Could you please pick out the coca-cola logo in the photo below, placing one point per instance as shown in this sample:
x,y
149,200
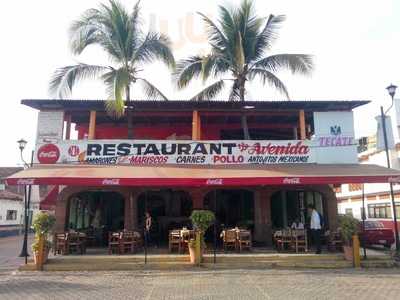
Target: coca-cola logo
x,y
394,179
48,154
293,180
110,182
214,182
73,150
25,181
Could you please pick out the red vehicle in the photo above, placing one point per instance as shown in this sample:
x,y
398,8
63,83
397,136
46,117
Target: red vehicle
x,y
376,234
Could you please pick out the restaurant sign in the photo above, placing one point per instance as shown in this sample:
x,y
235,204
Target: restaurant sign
x,y
151,152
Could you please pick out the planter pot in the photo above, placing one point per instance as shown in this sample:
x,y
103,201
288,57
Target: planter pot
x,y
348,252
192,253
36,257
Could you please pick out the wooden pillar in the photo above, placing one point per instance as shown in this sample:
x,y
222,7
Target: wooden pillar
x,y
68,127
302,124
196,126
92,125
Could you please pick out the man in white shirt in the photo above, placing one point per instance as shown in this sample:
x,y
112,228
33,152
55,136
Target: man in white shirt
x,y
315,226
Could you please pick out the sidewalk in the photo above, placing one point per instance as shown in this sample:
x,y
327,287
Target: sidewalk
x,y
10,248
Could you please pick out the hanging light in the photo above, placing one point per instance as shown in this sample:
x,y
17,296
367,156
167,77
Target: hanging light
x,y
391,90
22,144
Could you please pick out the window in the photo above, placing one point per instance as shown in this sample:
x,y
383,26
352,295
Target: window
x,y
11,215
349,211
382,210
355,187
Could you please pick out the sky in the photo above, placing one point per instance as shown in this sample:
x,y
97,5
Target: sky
x,y
355,45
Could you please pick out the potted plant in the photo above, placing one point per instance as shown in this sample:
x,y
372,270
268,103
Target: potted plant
x,y
349,227
42,224
201,220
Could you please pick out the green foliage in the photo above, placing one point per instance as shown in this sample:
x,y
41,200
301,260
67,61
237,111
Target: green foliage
x,y
349,226
240,42
202,219
118,32
43,223
35,245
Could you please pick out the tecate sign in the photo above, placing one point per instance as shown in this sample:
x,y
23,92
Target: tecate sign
x,y
48,154
25,181
110,182
291,180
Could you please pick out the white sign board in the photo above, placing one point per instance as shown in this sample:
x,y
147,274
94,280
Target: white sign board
x,y
153,152
334,140
50,127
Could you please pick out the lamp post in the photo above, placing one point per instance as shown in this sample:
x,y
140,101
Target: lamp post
x,y
24,252
392,91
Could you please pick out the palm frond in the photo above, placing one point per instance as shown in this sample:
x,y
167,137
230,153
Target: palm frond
x,y
273,80
296,63
210,92
215,35
64,79
154,46
268,35
151,91
187,69
116,81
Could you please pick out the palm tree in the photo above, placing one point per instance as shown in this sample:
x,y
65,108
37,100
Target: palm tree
x,y
119,34
239,43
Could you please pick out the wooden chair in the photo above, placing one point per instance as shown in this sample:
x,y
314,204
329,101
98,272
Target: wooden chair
x,y
334,241
299,240
285,240
74,243
60,244
186,236
114,243
229,239
137,240
127,242
174,241
244,240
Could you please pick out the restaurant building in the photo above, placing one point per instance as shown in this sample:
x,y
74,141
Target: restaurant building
x,y
187,155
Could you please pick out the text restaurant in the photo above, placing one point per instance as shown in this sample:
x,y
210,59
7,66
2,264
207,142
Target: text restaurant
x,y
171,157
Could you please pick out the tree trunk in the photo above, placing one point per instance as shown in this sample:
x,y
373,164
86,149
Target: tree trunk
x,y
129,113
245,127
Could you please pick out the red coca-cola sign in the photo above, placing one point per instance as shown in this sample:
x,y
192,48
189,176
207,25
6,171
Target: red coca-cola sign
x,y
48,154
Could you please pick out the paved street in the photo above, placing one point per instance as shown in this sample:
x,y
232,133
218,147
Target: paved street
x,y
10,248
268,284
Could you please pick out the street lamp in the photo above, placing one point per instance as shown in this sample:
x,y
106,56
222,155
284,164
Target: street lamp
x,y
392,91
24,252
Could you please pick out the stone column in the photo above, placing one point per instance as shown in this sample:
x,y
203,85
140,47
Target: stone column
x,y
197,196
330,201
262,216
128,213
61,214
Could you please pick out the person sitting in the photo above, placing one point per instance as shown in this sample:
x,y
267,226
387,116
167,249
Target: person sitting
x,y
297,224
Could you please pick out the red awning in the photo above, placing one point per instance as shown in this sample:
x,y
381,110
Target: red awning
x,y
226,175
49,201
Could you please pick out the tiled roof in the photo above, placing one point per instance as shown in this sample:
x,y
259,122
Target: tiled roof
x,y
7,195
8,171
180,105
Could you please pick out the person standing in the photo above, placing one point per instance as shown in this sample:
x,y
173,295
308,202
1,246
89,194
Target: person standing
x,y
315,227
147,227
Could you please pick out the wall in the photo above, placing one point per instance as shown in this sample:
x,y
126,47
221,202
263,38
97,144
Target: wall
x,y
5,205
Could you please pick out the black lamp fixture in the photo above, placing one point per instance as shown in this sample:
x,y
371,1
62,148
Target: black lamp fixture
x,y
391,90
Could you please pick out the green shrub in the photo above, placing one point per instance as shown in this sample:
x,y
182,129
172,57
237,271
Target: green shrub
x,y
35,245
349,226
202,219
43,223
